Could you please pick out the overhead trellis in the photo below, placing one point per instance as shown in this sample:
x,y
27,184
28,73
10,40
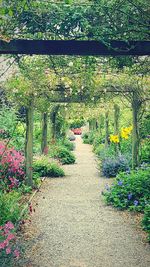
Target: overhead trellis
x,y
82,48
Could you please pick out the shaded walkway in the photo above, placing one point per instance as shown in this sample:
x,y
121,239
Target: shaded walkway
x,y
73,227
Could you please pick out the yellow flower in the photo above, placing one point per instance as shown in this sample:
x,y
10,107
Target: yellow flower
x,y
114,138
125,132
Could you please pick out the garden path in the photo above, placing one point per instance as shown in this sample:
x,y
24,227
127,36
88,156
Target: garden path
x,y
72,227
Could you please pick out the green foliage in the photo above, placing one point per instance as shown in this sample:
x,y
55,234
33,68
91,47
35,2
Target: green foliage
x,y
130,191
68,144
145,125
25,189
145,150
146,220
98,140
103,153
91,19
43,167
126,148
77,123
88,138
15,130
65,156
8,119
10,208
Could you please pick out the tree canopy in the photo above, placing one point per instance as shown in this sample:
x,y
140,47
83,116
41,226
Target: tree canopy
x,y
92,20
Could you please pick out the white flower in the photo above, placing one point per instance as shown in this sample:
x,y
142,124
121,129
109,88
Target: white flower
x,y
70,64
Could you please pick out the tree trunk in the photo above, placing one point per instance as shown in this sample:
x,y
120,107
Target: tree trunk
x,y
44,147
53,117
29,144
135,133
106,129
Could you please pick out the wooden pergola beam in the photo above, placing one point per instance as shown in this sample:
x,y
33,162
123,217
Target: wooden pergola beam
x,y
82,48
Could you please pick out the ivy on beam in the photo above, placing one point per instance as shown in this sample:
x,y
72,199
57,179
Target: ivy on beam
x,y
57,47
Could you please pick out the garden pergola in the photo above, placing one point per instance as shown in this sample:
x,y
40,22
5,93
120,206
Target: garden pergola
x,y
65,47
73,47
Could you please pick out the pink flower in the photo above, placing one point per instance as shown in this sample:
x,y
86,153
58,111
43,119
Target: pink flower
x,y
3,244
10,237
8,250
9,225
16,253
6,243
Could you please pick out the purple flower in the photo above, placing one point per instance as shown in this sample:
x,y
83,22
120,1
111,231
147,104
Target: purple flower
x,y
136,202
130,196
120,183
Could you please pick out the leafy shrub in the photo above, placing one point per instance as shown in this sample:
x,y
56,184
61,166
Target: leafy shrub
x,y
130,191
10,123
69,145
98,140
104,153
111,167
9,207
77,123
146,220
85,137
145,150
24,189
88,138
46,168
11,166
126,146
65,156
4,134
8,119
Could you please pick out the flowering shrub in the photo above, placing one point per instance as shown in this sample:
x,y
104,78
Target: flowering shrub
x,y
146,220
8,247
11,167
112,166
130,191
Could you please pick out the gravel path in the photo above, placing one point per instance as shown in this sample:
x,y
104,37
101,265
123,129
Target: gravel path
x,y
74,228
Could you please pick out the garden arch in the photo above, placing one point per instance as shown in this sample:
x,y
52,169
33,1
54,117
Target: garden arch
x,y
82,48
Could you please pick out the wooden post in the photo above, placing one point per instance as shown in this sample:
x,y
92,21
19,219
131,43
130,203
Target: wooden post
x,y
116,118
106,129
44,133
53,117
116,123
29,143
101,124
136,105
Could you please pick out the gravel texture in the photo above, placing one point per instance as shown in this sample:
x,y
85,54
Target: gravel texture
x,y
72,226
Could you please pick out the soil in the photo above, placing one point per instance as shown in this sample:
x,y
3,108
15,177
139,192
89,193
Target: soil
x,y
72,226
